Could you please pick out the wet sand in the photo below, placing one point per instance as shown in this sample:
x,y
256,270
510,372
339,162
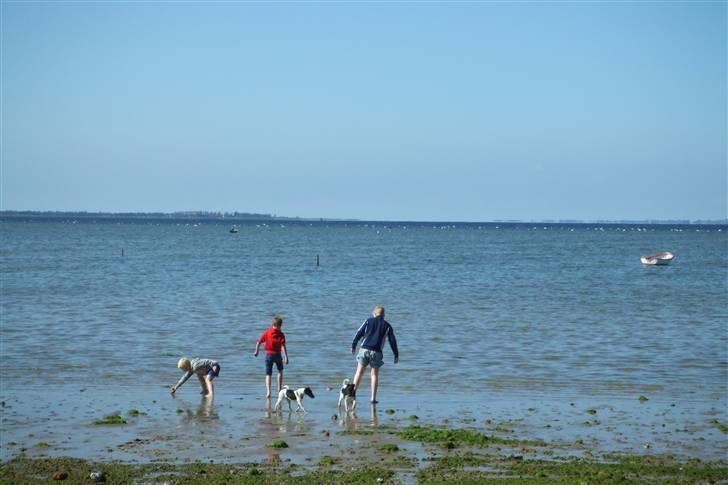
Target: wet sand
x,y
238,429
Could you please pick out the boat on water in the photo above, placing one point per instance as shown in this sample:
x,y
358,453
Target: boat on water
x,y
658,259
233,230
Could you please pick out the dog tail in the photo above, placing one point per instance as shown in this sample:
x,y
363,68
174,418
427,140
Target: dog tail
x,y
347,381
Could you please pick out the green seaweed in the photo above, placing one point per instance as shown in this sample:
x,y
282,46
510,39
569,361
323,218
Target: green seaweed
x,y
278,444
356,432
464,467
388,447
471,468
327,460
451,438
723,427
42,444
110,419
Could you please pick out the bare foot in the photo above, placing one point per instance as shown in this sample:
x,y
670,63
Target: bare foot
x,y
267,396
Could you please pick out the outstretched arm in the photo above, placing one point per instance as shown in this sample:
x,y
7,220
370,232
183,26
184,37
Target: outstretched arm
x,y
184,378
393,344
358,336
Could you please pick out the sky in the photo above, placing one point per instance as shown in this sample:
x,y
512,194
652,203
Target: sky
x,y
471,111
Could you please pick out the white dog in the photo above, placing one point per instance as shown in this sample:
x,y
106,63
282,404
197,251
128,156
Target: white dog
x,y
296,395
347,395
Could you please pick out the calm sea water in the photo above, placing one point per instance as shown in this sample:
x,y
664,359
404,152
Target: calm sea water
x,y
490,310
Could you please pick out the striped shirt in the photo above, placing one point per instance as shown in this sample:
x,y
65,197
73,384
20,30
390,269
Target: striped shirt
x,y
198,366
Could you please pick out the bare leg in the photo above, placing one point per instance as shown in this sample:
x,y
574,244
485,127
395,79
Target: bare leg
x,y
357,375
203,385
267,387
280,381
375,383
210,386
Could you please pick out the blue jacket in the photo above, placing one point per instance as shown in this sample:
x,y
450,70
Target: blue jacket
x,y
374,330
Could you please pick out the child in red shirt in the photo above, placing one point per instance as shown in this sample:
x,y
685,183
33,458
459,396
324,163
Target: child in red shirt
x,y
275,343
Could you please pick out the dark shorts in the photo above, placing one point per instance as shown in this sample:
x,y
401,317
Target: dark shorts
x,y
271,359
214,372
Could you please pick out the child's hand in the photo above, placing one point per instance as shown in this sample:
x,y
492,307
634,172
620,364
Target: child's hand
x,y
255,354
396,359
286,361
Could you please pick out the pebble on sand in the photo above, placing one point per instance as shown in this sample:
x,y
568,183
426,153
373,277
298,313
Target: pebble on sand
x,y
59,475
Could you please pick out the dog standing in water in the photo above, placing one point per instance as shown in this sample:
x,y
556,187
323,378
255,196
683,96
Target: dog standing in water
x,y
347,395
296,395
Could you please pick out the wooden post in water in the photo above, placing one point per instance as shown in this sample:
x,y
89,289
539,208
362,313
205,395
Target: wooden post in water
x,y
317,261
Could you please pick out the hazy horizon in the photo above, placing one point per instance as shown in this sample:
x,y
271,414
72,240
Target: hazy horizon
x,y
371,111
242,216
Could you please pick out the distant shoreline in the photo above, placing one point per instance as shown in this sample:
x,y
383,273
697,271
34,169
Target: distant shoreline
x,y
234,217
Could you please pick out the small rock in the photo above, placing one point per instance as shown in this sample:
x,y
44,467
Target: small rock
x,y
59,475
98,476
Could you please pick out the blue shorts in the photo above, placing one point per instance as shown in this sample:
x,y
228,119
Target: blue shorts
x,y
214,372
370,358
270,359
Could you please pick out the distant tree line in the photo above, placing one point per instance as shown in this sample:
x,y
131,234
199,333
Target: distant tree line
x,y
196,215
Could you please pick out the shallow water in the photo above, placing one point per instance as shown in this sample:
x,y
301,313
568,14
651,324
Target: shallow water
x,y
491,319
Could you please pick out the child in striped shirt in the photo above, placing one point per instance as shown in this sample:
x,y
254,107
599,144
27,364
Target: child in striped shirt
x,y
206,370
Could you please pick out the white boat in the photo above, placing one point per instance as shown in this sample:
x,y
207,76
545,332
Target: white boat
x,y
233,230
659,259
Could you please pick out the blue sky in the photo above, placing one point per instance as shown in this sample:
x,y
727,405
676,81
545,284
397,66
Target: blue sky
x,y
391,111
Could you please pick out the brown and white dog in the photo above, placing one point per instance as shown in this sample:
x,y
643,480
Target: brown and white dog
x,y
297,395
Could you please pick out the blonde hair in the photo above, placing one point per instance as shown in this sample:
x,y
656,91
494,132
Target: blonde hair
x,y
277,321
379,310
183,363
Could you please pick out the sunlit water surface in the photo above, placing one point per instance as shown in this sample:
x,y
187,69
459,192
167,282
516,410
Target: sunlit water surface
x,y
490,319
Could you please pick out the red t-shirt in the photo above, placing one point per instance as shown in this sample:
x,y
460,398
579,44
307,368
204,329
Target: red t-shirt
x,y
274,339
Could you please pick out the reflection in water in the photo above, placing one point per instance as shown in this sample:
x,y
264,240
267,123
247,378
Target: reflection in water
x,y
206,409
351,422
273,425
204,413
373,415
